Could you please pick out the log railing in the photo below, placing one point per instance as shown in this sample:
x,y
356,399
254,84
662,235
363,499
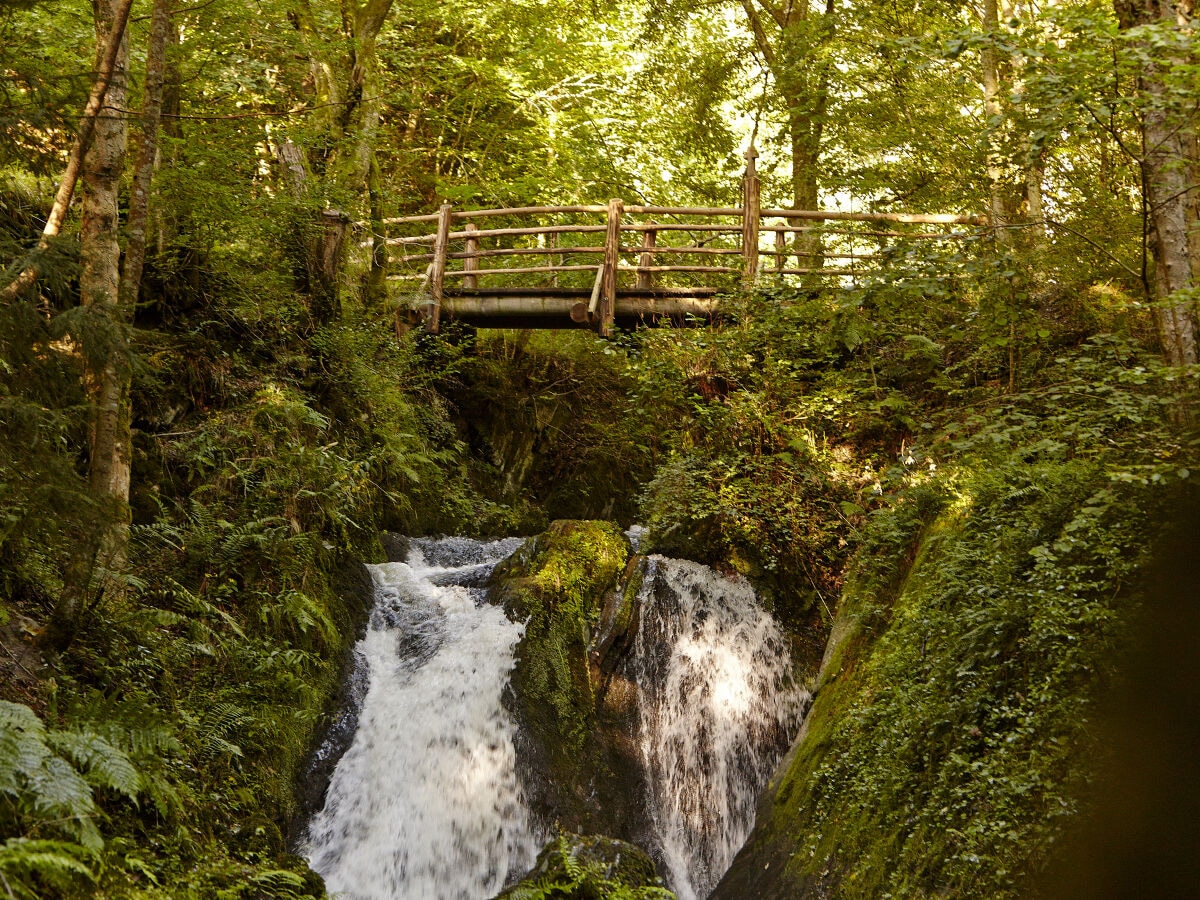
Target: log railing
x,y
595,246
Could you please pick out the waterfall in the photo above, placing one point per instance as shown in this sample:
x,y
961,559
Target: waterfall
x,y
425,802
718,710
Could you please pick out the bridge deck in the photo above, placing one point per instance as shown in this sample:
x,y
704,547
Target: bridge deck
x,y
567,308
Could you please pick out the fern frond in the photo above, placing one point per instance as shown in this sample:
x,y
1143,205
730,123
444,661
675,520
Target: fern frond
x,y
280,883
103,764
220,722
32,774
196,605
296,612
27,866
130,723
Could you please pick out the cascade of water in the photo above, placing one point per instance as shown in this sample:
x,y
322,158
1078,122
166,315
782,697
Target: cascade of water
x,y
425,803
718,711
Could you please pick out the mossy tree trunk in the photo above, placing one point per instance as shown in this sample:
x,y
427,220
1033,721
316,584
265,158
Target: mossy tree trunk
x,y
340,169
792,43
110,292
103,348
1167,161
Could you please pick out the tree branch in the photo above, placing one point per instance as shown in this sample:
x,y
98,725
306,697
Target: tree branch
x,y
780,16
760,34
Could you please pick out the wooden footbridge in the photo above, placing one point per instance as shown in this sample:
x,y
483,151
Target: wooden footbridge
x,y
620,264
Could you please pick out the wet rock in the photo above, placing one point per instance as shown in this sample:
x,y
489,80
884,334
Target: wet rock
x,y
355,585
395,546
572,693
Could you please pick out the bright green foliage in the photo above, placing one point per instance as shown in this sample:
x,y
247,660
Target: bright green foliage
x,y
48,782
950,742
29,867
269,449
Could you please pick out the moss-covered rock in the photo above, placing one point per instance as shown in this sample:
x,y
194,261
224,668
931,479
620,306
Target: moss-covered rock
x,y
575,586
575,867
949,742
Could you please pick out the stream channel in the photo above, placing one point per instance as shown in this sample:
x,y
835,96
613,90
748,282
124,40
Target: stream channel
x,y
428,800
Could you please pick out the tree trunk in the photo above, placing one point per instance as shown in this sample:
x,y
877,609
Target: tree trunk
x,y
791,42
346,92
1166,167
999,208
100,277
805,127
1193,206
1034,207
376,288
359,123
108,49
106,367
139,200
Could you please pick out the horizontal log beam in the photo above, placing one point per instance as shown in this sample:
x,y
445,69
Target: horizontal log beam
x,y
909,218
534,309
912,236
412,220
529,210
500,232
828,270
624,267
683,226
531,270
786,253
684,211
722,251
525,251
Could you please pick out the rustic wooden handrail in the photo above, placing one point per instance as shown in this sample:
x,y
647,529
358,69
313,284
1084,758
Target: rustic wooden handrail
x,y
658,250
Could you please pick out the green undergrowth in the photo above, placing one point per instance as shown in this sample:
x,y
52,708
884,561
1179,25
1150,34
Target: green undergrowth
x,y
952,740
158,754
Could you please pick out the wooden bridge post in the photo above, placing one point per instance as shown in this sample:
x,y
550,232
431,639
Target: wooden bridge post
x,y
471,263
555,259
751,214
645,280
612,257
437,274
780,252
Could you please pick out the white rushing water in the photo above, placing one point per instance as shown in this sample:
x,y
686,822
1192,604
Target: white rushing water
x,y
425,803
719,709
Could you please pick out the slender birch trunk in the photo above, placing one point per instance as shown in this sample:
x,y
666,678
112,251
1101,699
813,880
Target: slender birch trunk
x,y
101,544
100,275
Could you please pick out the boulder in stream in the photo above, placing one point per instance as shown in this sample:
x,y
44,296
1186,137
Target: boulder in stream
x,y
573,699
